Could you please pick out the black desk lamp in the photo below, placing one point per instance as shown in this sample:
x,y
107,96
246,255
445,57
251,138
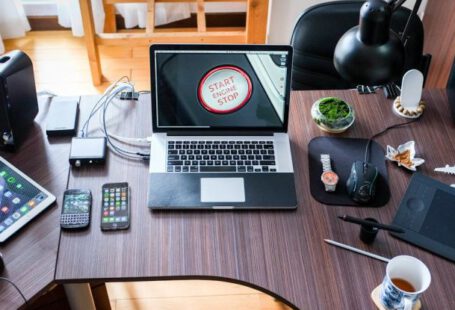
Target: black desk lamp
x,y
371,53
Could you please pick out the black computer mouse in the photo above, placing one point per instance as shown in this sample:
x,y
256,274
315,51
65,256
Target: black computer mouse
x,y
361,184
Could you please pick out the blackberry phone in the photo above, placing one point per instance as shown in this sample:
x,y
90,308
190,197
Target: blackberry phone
x,y
115,208
76,209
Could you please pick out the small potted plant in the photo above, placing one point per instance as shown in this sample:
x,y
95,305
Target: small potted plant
x,y
332,114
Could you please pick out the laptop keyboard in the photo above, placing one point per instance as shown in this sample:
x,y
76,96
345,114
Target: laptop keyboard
x,y
220,156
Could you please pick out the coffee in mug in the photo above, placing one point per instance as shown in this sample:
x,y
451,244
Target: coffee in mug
x,y
405,280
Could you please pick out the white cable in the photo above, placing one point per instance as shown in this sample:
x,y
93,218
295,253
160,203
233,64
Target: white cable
x,y
114,92
108,96
97,106
144,141
46,93
115,148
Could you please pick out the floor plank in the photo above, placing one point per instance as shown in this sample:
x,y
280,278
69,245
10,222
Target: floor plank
x,y
189,295
184,288
238,302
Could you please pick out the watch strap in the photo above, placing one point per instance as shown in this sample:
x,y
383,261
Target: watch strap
x,y
325,160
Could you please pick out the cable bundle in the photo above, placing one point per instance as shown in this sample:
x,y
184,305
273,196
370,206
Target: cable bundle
x,y
102,104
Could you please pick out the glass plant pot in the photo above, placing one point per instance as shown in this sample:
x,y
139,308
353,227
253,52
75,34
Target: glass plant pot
x,y
332,114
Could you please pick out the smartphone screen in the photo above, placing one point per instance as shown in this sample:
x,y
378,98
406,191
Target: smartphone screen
x,y
76,202
115,209
76,209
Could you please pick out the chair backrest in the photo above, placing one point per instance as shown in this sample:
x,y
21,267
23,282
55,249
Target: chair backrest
x,y
317,32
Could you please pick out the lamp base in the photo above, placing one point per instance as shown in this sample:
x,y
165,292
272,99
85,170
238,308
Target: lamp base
x,y
406,112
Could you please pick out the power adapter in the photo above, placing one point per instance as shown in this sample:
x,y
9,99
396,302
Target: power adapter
x,y
87,151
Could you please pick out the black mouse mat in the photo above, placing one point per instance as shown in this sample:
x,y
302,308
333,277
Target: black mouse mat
x,y
343,152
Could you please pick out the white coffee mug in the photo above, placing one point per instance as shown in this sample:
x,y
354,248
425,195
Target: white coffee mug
x,y
405,280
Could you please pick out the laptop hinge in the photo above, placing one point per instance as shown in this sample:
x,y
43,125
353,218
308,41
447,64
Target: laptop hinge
x,y
221,133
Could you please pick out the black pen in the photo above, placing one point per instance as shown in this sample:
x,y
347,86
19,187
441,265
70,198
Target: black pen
x,y
355,220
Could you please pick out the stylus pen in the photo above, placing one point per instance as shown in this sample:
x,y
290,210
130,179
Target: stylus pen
x,y
355,220
356,250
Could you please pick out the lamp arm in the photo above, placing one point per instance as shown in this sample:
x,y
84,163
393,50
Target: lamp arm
x,y
408,22
397,4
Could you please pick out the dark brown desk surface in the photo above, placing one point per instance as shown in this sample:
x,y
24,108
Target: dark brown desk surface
x,y
30,255
279,252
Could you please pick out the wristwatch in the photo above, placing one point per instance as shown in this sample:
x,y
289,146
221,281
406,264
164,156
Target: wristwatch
x,y
328,177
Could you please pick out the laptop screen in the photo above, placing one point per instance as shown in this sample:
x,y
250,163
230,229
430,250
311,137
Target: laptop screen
x,y
221,89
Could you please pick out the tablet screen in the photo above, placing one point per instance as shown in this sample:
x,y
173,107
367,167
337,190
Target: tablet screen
x,y
19,197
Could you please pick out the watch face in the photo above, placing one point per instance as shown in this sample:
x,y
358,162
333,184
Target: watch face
x,y
329,178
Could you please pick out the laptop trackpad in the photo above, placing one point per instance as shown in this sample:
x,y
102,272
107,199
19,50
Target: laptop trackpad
x,y
222,190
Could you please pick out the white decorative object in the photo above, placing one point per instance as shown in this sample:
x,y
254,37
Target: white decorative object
x,y
447,169
408,104
404,156
411,89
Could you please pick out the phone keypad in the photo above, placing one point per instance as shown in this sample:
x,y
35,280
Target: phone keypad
x,y
74,219
115,204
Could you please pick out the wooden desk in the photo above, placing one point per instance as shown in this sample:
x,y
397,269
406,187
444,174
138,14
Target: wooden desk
x,y
281,253
30,255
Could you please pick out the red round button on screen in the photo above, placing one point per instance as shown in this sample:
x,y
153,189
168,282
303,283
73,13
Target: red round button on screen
x,y
225,89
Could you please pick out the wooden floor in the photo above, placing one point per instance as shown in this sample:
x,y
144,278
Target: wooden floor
x,y
185,295
61,66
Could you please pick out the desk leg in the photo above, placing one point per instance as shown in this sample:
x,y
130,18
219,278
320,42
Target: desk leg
x,y
79,296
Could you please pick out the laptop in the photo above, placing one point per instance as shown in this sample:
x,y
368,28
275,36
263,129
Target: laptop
x,y
220,118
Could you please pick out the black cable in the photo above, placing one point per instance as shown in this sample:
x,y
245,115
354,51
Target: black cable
x,y
15,286
408,22
367,148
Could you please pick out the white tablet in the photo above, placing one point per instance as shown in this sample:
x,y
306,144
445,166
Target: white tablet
x,y
21,199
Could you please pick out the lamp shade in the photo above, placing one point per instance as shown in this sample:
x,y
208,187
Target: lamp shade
x,y
370,53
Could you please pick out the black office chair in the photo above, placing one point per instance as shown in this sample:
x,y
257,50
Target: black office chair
x,y
317,32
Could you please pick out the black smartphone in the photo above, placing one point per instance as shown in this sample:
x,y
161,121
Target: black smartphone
x,y
115,208
76,209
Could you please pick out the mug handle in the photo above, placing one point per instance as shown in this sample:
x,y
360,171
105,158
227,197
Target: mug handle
x,y
408,304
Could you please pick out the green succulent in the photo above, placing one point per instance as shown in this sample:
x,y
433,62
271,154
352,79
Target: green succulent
x,y
333,108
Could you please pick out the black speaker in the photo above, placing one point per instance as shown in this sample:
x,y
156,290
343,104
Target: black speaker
x,y
18,100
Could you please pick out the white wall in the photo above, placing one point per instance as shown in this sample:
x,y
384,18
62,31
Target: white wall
x,y
284,14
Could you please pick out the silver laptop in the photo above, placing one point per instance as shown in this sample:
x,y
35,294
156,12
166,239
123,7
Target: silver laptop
x,y
220,117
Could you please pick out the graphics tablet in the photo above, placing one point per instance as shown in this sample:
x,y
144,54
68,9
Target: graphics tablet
x,y
427,214
21,199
